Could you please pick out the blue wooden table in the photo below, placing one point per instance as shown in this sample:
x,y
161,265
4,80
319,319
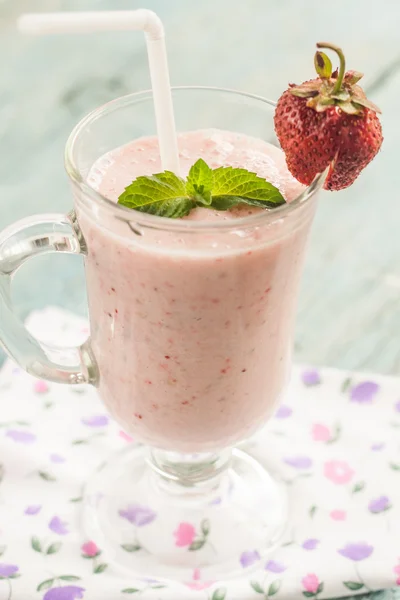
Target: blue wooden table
x,y
349,307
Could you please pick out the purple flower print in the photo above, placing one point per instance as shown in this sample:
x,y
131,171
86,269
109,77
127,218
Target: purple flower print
x,y
397,406
22,437
299,462
249,558
358,551
96,421
67,592
33,509
56,458
377,447
364,392
8,570
138,515
311,377
310,544
283,412
379,505
275,567
58,526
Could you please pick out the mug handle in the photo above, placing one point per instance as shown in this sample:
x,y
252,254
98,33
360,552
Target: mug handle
x,y
21,241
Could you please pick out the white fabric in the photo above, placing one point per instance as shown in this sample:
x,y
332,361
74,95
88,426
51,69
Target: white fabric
x,y
335,438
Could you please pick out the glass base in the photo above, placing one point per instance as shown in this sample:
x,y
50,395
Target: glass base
x,y
150,523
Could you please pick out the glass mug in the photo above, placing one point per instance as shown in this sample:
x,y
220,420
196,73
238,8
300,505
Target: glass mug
x,y
191,331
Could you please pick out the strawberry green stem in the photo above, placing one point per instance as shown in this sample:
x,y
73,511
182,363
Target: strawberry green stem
x,y
342,67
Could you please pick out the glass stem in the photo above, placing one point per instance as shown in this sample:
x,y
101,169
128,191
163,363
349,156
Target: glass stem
x,y
189,470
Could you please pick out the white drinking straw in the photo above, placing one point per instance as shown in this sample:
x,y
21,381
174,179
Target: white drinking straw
x,y
143,20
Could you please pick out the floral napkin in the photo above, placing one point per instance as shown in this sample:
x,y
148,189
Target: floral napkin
x,y
335,439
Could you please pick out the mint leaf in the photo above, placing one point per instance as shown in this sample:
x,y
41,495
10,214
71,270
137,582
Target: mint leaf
x,y
225,202
167,195
163,194
248,187
172,209
200,182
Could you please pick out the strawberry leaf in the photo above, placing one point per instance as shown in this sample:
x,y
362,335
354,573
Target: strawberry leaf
x,y
323,65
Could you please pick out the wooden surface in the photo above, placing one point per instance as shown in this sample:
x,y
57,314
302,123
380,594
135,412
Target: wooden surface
x,y
349,306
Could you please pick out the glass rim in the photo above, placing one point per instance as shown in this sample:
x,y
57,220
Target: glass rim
x,y
154,222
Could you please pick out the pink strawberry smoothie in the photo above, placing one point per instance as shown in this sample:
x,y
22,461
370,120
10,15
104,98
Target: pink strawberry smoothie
x,y
192,329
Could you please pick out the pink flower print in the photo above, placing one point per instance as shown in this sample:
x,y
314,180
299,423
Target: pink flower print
x,y
184,535
396,569
125,436
338,515
40,387
338,471
90,549
320,433
196,584
310,583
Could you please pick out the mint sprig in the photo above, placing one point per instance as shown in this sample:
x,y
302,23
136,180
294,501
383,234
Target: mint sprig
x,y
167,195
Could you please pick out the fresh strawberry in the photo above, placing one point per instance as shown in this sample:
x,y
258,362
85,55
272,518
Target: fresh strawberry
x,y
328,122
